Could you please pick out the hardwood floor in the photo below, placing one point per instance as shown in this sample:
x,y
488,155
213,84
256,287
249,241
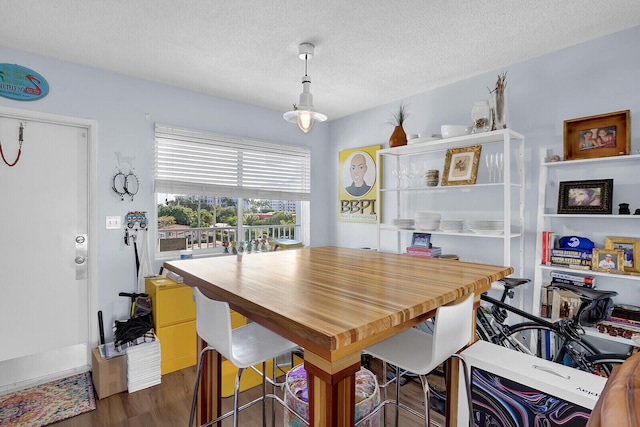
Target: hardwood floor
x,y
168,405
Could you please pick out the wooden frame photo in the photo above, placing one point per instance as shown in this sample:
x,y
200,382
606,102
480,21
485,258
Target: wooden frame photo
x,y
607,260
461,165
585,197
604,135
630,249
421,240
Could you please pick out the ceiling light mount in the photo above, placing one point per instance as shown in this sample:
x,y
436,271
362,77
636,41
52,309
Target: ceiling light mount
x,y
304,113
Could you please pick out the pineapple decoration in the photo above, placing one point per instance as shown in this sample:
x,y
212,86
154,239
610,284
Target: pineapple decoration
x,y
398,137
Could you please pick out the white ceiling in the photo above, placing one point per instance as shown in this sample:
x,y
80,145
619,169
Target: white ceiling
x,y
368,52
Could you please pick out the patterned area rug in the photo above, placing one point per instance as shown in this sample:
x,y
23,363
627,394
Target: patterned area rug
x,y
47,403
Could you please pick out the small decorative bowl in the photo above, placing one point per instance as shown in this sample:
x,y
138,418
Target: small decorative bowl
x,y
450,131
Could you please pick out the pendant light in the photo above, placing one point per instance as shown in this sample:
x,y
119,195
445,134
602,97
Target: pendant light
x,y
303,113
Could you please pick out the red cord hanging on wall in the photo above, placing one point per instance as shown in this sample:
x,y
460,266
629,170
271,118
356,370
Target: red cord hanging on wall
x,y
19,148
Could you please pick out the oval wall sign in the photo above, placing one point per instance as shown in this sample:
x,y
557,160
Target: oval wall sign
x,y
21,83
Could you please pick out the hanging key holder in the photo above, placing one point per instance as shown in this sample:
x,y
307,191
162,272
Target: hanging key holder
x,y
20,140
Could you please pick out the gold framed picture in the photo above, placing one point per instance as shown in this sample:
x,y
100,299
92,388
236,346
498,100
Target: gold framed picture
x,y
607,260
604,135
630,249
461,165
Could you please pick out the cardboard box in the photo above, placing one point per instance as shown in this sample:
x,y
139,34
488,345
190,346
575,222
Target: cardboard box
x,y
109,375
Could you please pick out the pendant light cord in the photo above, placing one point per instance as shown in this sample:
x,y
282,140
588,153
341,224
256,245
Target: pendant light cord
x,y
19,148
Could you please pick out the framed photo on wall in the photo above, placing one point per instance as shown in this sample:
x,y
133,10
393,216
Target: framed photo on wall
x,y
585,197
630,249
461,165
604,135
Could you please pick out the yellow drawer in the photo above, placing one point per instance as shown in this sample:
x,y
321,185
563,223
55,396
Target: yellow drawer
x,y
174,305
177,340
167,366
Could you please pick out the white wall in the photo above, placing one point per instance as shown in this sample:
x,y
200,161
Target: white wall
x,y
597,77
120,105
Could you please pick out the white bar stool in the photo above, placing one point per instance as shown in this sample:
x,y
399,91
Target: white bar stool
x,y
420,353
245,346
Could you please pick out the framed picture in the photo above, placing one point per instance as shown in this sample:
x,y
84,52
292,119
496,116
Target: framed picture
x,y
604,135
585,197
607,260
421,240
461,165
630,251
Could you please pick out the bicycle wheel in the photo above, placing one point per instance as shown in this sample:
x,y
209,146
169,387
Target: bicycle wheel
x,y
603,364
550,344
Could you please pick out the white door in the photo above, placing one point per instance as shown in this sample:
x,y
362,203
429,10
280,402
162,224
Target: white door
x,y
44,287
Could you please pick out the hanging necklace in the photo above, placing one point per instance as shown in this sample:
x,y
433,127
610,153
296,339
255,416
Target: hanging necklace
x,y
19,148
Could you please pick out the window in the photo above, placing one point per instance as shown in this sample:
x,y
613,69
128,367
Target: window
x,y
213,189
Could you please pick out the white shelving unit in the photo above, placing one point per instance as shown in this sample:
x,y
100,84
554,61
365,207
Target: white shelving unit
x,y
624,172
484,200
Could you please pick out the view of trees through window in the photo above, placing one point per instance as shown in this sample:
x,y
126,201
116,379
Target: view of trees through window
x,y
209,221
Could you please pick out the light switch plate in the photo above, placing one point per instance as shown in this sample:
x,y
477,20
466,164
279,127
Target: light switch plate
x,y
114,222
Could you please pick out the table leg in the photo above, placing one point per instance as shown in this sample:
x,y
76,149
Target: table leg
x,y
209,405
331,390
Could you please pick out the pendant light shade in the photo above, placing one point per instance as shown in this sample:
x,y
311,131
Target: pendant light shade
x,y
303,112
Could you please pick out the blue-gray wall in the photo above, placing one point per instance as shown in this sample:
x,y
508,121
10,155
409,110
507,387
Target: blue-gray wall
x,y
596,77
592,78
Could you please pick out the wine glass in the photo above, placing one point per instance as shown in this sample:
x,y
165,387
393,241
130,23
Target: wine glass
x,y
499,165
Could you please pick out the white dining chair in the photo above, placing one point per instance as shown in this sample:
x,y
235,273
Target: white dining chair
x,y
418,352
244,347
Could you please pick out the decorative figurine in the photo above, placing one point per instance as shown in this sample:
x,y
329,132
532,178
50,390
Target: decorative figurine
x,y
624,209
233,247
263,247
637,212
225,245
248,246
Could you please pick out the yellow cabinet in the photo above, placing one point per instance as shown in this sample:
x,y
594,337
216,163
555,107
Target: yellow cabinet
x,y
174,316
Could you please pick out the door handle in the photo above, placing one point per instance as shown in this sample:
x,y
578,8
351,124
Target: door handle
x,y
81,256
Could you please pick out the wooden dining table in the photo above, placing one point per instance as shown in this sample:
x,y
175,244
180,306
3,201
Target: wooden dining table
x,y
333,302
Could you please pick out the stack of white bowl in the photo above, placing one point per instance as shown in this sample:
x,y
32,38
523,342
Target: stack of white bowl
x,y
486,226
451,226
404,223
427,220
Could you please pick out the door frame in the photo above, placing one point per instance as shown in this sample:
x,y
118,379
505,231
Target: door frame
x,y
92,219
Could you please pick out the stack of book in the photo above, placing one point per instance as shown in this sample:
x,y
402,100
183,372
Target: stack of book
x,y
579,259
573,279
432,252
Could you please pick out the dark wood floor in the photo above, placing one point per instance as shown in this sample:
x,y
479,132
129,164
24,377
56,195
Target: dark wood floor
x,y
168,405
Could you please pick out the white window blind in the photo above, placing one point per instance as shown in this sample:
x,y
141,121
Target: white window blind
x,y
205,163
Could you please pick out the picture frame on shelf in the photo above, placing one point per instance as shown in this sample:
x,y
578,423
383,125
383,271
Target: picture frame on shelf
x,y
607,260
421,240
603,135
461,165
630,248
585,197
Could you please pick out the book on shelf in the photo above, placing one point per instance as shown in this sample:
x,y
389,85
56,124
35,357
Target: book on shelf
x,y
549,242
572,253
432,252
570,282
568,261
572,277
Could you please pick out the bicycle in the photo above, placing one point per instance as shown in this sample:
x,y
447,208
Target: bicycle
x,y
561,342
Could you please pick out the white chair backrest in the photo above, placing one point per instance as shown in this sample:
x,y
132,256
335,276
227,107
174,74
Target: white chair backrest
x,y
213,322
452,329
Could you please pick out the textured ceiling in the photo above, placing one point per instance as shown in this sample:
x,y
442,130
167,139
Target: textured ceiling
x,y
368,52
